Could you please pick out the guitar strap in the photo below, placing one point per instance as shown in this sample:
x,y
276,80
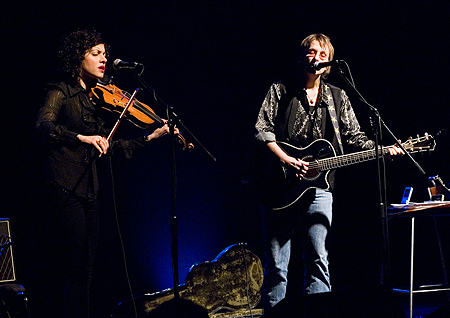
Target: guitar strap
x,y
329,96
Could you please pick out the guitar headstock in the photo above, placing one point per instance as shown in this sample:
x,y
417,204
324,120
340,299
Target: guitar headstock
x,y
420,144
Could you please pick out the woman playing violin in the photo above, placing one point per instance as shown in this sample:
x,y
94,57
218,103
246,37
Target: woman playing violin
x,y
74,135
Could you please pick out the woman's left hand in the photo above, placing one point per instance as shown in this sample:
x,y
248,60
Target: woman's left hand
x,y
395,150
161,131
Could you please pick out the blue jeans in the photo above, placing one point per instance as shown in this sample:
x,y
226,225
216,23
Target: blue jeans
x,y
311,215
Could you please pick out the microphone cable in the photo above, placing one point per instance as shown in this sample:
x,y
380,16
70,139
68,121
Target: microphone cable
x,y
127,275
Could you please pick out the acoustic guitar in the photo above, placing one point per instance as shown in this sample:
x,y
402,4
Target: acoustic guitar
x,y
283,187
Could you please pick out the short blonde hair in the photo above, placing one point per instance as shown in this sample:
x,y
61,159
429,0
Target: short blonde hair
x,y
324,42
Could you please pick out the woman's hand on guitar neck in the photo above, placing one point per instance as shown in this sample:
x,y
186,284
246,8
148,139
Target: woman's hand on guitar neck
x,y
300,165
395,150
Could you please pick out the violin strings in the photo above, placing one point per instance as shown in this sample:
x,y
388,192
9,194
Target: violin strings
x,y
141,108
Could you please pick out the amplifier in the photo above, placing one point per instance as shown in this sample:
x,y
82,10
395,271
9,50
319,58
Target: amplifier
x,y
7,272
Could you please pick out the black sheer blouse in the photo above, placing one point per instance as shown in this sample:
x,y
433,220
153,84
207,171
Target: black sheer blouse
x,y
68,111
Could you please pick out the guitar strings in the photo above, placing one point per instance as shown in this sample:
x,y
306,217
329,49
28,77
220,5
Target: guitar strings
x,y
344,160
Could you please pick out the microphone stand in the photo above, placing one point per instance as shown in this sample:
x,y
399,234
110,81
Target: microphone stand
x,y
173,120
377,124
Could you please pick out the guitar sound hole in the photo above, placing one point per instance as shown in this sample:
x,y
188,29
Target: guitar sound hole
x,y
312,173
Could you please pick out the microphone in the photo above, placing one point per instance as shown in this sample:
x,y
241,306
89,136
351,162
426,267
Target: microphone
x,y
118,64
317,65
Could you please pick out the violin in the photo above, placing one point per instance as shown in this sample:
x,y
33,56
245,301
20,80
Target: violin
x,y
141,115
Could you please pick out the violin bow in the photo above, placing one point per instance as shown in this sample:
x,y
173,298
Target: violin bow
x,y
122,114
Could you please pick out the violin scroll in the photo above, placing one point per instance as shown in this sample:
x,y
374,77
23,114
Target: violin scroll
x,y
184,144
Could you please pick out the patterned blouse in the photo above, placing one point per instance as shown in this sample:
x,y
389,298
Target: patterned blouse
x,y
308,123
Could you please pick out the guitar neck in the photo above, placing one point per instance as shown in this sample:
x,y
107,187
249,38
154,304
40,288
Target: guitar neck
x,y
346,160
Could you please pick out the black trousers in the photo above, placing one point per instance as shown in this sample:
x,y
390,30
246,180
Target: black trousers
x,y
68,242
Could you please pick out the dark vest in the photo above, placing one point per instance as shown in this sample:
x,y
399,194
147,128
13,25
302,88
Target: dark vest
x,y
287,111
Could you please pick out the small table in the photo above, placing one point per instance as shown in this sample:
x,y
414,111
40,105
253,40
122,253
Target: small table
x,y
429,208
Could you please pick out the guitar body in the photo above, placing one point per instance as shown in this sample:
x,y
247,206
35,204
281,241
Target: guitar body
x,y
284,188
232,281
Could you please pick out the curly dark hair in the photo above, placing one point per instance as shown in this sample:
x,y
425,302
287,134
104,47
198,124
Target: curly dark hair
x,y
73,48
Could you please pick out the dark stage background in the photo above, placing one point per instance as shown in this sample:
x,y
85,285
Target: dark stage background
x,y
214,62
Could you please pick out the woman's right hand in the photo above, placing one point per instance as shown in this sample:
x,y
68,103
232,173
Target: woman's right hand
x,y
300,165
98,142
